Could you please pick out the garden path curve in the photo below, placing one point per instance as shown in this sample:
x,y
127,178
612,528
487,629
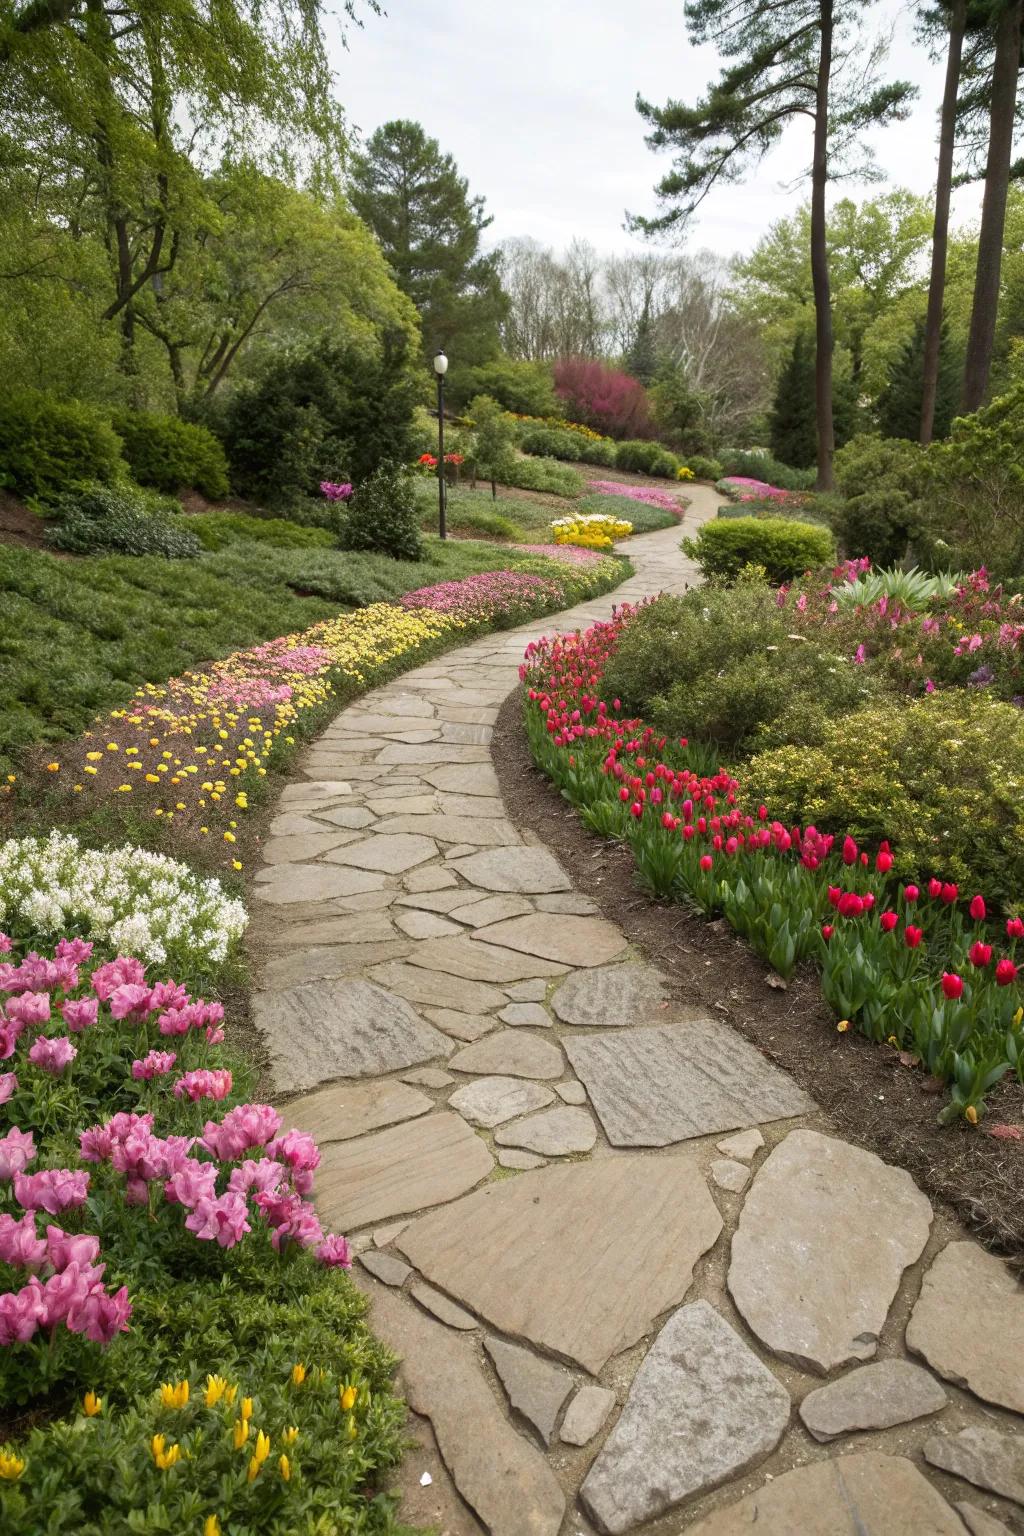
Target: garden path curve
x,y
634,1281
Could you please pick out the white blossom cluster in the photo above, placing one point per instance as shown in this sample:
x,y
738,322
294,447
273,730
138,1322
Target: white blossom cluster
x,y
138,903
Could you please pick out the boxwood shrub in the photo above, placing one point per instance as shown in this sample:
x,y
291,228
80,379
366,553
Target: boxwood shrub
x,y
784,548
48,446
646,459
168,453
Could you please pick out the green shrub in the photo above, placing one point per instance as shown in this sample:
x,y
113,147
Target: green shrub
x,y
523,387
759,465
785,548
704,469
216,529
879,524
382,515
721,666
644,458
493,437
333,411
48,446
576,447
542,475
868,463
941,777
168,453
474,520
106,519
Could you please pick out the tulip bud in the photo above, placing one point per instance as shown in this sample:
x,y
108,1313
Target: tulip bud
x,y
883,863
934,888
950,893
849,851
706,862
978,908
952,985
827,931
912,936
910,893
1015,928
887,921
980,954
1006,972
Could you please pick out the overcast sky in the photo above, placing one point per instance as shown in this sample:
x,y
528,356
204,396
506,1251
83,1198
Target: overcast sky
x,y
536,103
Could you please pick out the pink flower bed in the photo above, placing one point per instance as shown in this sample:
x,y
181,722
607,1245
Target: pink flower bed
x,y
571,554
755,490
485,595
649,495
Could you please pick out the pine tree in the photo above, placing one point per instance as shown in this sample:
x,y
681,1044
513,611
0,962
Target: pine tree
x,y
642,359
899,405
790,60
793,424
429,228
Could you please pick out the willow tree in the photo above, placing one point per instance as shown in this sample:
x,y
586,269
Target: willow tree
x,y
785,60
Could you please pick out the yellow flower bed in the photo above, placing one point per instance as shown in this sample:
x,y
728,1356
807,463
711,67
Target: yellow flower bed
x,y
684,472
593,530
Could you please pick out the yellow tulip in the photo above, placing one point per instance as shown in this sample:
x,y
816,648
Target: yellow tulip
x,y
216,1387
240,1433
246,1409
92,1405
174,1395
11,1466
347,1398
298,1374
261,1449
211,1526
290,1435
285,1467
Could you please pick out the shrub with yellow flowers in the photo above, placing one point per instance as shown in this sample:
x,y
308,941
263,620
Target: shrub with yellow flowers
x,y
594,530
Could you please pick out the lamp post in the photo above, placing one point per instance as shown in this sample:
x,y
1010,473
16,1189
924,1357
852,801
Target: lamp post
x,y
441,368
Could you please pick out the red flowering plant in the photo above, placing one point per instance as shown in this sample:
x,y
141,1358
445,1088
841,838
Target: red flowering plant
x,y
900,965
160,1182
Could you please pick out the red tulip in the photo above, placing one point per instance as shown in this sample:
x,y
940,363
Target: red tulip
x,y
1015,928
850,904
950,893
910,893
834,894
978,908
980,954
827,931
623,794
912,936
636,809
934,888
849,851
883,863
887,921
952,985
1006,972
869,900
669,822
706,862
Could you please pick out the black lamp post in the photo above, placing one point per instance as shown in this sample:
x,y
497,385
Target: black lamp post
x,y
441,368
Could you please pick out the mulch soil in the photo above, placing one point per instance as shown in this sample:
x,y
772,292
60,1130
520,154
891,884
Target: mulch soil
x,y
868,1095
20,526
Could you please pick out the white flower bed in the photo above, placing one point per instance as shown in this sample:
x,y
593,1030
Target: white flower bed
x,y
136,902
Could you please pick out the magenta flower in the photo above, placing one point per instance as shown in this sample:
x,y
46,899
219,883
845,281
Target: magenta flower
x,y
124,971
154,1064
19,1244
192,1182
54,1190
245,1126
222,1220
6,944
78,951
131,1001
29,1008
335,1252
17,1149
21,1313
80,1013
8,1086
100,1316
52,1053
266,1176
68,1290
64,1248
204,1084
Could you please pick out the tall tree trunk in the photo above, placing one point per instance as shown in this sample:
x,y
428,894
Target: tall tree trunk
x,y
940,224
819,259
993,209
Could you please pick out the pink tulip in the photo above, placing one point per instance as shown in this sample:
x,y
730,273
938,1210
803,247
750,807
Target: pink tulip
x,y
64,1248
54,1190
8,1086
80,1013
222,1220
19,1244
17,1149
52,1054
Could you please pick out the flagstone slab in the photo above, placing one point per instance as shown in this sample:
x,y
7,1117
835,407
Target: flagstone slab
x,y
863,1495
425,925
571,1092
464,779
490,1101
968,1323
432,901
586,1414
460,956
504,1478
743,1145
293,824
300,850
528,1014
730,1175
403,1169
354,817
371,927
553,1133
981,1456
511,1053
441,1307
611,996
428,1077
824,1237
478,911
301,797
321,962
523,871
436,988
393,855
478,830
347,1028
433,752
591,1252
385,1267
979,1523
399,704
872,1397
527,991
652,1087
702,1408
512,1157
568,902
535,1388
581,941
285,885
492,807
434,878
345,1110
461,1026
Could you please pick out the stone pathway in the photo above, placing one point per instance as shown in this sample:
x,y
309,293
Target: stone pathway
x,y
634,1280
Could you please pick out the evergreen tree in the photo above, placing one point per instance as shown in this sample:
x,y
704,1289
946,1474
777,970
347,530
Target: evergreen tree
x,y
642,359
899,405
429,228
793,423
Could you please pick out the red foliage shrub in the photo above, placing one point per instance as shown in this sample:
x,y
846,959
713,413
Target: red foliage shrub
x,y
603,398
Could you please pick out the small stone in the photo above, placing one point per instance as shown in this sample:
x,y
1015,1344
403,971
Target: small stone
x,y
702,1408
386,1267
391,855
435,878
385,1235
979,1523
873,1397
428,1077
531,1014
510,1053
864,1495
610,996
526,871
462,1026
480,913
579,941
571,1092
968,1323
424,925
552,1133
726,1174
528,991
522,1162
824,1237
743,1145
490,1101
586,1414
535,1389
345,1110
442,1307
981,1456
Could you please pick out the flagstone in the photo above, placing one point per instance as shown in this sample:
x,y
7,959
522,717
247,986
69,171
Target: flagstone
x,y
531,1014
982,1456
979,1523
436,988
434,752
490,1101
511,1157
428,1077
611,996
729,1175
441,1307
743,1145
872,1397
491,807
591,1252
390,854
432,901
464,778
371,927
479,911
968,1323
527,991
526,871
318,963
552,1133
535,1388
404,805
385,1267
578,941
461,1026
433,879
823,1239
567,903
352,816
425,925
471,830
282,885
345,1110
293,824
510,1053
400,1170
586,1414
348,1028
303,796
460,956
